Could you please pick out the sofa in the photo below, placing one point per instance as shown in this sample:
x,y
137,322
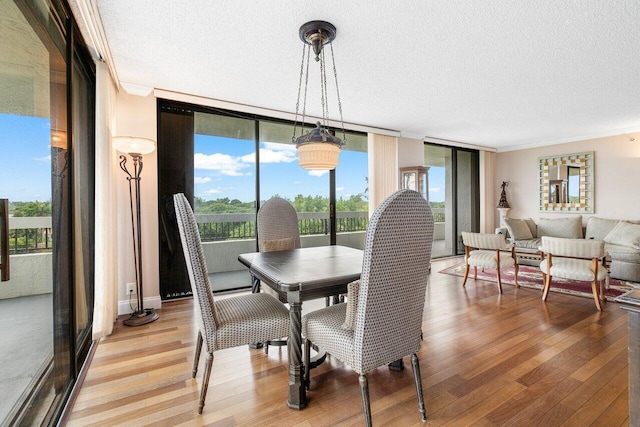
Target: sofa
x,y
621,238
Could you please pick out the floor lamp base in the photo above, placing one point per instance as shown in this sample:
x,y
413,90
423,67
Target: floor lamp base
x,y
143,317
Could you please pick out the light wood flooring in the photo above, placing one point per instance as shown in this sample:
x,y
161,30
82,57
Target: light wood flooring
x,y
486,359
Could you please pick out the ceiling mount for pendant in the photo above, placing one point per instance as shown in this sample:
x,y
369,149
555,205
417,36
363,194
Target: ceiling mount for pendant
x,y
317,34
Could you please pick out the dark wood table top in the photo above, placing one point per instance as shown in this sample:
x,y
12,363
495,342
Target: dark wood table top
x,y
314,272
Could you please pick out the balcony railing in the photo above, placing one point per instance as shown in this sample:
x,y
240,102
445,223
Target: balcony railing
x,y
29,235
218,227
33,234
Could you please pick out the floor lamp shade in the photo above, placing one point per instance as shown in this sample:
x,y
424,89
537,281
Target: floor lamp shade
x,y
136,147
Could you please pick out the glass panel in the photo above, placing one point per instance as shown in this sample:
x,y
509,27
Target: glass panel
x,y
280,175
466,194
35,354
440,163
224,195
352,186
83,165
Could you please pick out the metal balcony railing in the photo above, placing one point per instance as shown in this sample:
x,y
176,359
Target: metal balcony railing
x,y
218,227
34,234
29,235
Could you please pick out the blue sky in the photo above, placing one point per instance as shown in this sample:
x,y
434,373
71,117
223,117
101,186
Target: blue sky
x,y
25,174
224,167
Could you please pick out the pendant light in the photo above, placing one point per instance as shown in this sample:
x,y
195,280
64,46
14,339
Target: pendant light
x,y
318,149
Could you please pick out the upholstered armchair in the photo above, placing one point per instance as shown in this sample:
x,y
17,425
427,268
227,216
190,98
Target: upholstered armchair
x,y
381,321
488,251
575,259
229,322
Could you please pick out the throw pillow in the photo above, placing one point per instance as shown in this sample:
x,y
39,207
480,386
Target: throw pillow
x,y
532,226
277,244
598,228
569,228
353,291
624,234
518,229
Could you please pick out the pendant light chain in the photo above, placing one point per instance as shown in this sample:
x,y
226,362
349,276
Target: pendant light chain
x,y
304,104
324,99
306,86
295,119
335,75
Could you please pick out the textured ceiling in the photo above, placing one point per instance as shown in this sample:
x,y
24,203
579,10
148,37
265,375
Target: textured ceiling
x,y
496,73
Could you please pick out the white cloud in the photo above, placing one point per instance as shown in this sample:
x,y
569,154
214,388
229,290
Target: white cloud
x,y
340,188
45,159
212,191
435,190
276,146
201,180
318,173
273,153
225,164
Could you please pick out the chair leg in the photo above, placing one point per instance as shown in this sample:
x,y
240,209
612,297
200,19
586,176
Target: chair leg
x,y
416,375
596,295
547,285
499,279
517,268
266,347
366,406
205,382
466,274
307,364
196,358
475,273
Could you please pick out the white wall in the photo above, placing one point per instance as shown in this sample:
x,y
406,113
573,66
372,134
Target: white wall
x,y
616,171
136,116
410,152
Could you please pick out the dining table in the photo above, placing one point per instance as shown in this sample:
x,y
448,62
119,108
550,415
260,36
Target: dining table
x,y
299,275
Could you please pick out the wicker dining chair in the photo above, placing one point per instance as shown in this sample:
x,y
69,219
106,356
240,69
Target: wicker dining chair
x,y
381,321
229,322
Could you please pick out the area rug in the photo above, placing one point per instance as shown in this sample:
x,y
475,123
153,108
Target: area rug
x,y
531,277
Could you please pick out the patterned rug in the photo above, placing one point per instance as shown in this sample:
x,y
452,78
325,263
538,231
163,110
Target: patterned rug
x,y
531,277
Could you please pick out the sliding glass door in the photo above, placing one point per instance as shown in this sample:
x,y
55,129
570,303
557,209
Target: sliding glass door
x,y
46,173
453,195
231,163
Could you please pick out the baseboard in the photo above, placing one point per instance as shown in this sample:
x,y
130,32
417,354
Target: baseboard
x,y
124,307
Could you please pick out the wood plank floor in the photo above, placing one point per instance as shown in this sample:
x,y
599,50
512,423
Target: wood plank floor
x,y
486,359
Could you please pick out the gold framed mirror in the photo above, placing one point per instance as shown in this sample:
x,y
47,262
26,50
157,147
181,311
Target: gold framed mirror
x,y
566,183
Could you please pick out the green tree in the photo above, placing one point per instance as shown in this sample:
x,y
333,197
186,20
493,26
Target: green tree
x,y
31,209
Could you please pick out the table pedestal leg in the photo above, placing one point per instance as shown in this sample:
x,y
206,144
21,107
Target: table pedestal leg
x,y
297,394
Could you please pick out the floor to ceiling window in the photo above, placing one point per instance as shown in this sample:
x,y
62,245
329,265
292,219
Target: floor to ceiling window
x,y
47,81
239,162
453,194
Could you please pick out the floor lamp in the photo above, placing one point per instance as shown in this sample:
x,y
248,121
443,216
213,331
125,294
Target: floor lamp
x,y
136,147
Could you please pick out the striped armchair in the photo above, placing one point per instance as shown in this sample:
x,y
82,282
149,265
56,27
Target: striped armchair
x,y
388,320
575,259
488,251
230,322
